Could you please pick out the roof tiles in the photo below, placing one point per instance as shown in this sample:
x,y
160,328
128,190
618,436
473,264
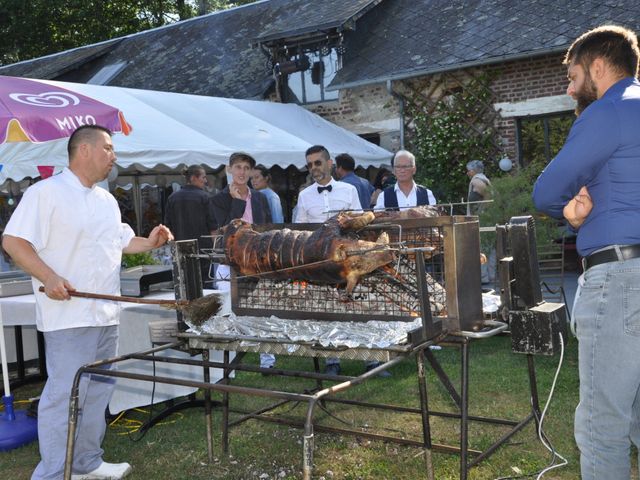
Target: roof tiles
x,y
213,54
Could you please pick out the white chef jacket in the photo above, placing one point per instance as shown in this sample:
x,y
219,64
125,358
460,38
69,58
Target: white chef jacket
x,y
78,232
314,207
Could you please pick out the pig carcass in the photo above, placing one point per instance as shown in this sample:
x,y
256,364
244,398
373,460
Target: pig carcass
x,y
331,254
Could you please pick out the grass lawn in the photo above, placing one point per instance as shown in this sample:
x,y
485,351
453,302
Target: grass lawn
x,y
499,387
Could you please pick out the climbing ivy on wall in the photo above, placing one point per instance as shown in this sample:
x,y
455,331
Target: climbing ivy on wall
x,y
452,121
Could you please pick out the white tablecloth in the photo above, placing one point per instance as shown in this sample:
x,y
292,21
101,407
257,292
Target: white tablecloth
x,y
134,337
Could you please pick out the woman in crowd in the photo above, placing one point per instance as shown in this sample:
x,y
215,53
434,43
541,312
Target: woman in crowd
x,y
260,180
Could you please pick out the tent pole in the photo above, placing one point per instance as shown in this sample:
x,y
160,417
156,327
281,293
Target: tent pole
x,y
137,204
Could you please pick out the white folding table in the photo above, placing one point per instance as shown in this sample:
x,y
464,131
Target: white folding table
x,y
134,337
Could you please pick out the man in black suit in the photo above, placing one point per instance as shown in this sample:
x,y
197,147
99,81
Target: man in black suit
x,y
189,214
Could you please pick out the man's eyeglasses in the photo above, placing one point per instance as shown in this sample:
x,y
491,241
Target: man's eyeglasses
x,y
402,167
315,163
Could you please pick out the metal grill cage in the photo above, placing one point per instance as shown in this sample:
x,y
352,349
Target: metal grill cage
x,y
390,293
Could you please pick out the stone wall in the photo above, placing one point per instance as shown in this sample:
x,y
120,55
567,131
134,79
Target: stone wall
x,y
363,111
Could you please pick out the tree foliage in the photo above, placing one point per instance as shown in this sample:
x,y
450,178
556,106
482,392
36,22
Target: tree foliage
x,y
207,6
34,28
512,197
542,138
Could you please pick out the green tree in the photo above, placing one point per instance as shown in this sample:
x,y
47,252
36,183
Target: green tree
x,y
34,28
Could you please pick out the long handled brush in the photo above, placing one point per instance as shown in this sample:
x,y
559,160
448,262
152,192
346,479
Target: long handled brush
x,y
199,310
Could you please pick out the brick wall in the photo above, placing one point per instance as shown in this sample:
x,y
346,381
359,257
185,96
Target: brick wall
x,y
523,80
532,78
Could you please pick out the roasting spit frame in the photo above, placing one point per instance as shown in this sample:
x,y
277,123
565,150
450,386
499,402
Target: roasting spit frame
x,y
458,252
323,394
189,286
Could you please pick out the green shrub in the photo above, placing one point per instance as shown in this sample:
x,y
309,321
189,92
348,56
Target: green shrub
x,y
512,198
134,259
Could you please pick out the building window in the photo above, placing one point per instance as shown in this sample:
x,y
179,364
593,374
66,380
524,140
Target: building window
x,y
371,137
309,86
540,138
107,73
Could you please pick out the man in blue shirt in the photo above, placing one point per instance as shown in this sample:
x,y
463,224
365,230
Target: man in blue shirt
x,y
594,182
345,166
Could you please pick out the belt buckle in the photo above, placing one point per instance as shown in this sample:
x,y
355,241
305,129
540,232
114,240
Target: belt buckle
x,y
584,264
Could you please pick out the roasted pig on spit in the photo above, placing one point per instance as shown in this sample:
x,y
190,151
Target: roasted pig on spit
x,y
329,255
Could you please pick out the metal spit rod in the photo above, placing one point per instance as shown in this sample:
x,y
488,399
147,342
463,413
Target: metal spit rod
x,y
401,249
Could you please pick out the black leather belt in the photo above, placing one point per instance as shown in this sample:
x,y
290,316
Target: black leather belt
x,y
609,255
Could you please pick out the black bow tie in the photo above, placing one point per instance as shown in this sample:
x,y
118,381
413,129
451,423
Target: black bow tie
x,y
322,189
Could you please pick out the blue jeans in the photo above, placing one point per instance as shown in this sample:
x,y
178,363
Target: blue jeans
x,y
607,316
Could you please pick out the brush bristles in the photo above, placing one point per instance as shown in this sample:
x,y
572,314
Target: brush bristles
x,y
202,309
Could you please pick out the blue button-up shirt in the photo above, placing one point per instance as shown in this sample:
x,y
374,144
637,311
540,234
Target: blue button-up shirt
x,y
365,189
602,152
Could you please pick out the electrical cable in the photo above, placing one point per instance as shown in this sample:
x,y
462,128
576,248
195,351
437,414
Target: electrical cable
x,y
137,423
541,435
16,402
546,444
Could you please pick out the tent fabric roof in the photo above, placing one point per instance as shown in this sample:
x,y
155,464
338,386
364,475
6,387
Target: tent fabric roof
x,y
171,130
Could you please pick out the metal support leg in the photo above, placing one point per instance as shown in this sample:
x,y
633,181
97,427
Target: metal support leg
x,y
316,368
73,423
464,410
533,385
443,377
424,411
225,405
207,406
17,331
308,443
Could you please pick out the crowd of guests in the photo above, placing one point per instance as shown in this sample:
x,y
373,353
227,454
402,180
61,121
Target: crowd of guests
x,y
332,186
183,206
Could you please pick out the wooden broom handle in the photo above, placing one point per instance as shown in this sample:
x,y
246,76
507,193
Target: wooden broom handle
x,y
118,298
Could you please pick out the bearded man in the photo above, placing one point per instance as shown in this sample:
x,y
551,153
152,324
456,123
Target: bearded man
x,y
594,182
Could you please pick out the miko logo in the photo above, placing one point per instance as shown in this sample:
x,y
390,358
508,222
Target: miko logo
x,y
46,99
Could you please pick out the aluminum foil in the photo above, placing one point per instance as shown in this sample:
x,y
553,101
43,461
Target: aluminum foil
x,y
372,334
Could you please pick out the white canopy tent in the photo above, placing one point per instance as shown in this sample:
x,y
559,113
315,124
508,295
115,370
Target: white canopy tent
x,y
172,129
